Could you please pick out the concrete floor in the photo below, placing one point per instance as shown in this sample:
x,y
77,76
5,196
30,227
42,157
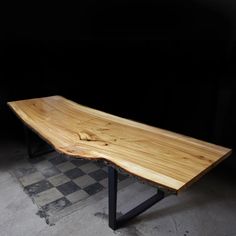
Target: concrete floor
x,y
206,208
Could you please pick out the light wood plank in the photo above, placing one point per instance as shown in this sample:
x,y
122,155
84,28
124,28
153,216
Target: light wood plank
x,y
171,160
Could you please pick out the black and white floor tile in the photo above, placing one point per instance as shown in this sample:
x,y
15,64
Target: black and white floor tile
x,y
55,182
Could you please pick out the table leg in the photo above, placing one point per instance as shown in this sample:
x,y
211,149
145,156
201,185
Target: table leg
x,y
28,139
115,222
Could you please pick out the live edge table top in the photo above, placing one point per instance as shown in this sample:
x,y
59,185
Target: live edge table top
x,y
165,158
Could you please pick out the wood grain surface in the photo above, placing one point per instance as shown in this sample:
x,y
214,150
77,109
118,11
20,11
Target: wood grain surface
x,y
168,159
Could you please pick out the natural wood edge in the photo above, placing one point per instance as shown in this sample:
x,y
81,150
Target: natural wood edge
x,y
115,165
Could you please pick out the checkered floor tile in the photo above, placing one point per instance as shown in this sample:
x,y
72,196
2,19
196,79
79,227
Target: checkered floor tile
x,y
54,181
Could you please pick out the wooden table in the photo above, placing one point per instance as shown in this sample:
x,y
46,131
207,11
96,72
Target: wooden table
x,y
169,160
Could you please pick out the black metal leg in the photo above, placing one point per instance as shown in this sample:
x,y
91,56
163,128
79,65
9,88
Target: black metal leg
x,y
112,188
28,139
115,223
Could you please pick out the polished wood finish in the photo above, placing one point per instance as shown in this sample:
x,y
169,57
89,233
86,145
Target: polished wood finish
x,y
168,159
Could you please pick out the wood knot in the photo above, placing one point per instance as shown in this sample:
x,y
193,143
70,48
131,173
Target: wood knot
x,y
90,137
86,136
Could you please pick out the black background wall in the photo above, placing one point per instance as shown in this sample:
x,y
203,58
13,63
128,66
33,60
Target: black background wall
x,y
166,63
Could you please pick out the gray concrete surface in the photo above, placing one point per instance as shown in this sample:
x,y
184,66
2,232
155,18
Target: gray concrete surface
x,y
207,208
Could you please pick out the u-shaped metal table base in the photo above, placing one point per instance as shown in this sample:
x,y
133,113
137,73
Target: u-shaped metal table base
x,y
115,222
28,139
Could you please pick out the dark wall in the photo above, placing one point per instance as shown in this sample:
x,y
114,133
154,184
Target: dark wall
x,y
166,63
